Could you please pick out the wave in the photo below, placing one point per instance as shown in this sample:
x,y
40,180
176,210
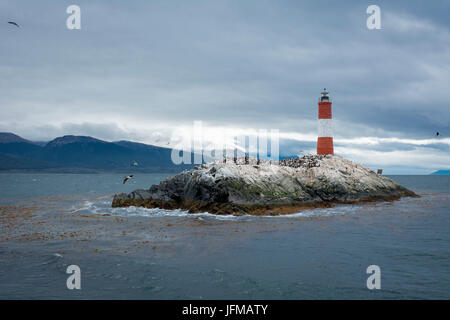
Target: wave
x,y
102,205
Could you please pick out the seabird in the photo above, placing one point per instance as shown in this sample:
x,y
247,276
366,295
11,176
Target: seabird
x,y
127,178
135,163
437,134
13,23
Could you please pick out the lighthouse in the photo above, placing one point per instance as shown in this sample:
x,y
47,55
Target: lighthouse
x,y
325,139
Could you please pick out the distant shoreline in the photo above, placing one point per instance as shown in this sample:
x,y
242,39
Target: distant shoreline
x,y
440,173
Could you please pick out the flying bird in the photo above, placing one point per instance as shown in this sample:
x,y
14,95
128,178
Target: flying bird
x,y
127,178
13,23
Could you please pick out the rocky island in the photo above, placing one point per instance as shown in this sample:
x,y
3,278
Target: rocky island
x,y
260,187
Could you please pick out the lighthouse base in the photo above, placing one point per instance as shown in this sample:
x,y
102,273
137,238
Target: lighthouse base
x,y
325,145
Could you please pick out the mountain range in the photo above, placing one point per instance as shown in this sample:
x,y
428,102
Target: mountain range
x,y
83,154
441,172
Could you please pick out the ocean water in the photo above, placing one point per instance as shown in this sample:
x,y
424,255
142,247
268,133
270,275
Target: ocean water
x,y
51,221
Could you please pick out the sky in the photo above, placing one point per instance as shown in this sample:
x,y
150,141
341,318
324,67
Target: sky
x,y
140,70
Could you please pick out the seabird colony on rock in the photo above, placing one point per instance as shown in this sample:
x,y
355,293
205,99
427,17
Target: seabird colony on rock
x,y
307,161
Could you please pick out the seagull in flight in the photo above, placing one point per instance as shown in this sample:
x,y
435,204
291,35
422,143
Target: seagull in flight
x,y
127,178
13,23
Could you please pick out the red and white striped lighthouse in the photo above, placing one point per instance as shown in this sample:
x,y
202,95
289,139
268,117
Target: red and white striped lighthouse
x,y
325,139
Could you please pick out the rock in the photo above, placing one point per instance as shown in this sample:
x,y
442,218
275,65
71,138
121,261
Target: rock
x,y
292,184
